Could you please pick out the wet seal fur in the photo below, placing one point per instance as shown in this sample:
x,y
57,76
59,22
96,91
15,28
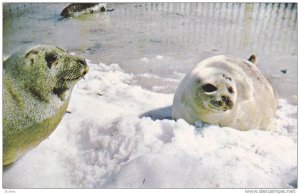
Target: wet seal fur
x,y
77,9
227,91
37,86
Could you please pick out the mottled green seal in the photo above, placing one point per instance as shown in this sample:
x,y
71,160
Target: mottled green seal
x,y
37,86
227,91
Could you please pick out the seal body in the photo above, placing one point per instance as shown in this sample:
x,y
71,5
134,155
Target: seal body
x,y
37,86
77,9
228,91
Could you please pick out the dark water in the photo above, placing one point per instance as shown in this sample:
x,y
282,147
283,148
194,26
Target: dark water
x,y
165,39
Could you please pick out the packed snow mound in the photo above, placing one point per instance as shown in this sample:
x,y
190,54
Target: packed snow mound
x,y
120,135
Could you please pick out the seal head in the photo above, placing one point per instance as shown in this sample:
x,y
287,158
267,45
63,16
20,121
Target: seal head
x,y
216,94
44,70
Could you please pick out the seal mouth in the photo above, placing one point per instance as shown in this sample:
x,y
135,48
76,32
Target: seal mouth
x,y
217,108
71,76
225,108
68,80
75,78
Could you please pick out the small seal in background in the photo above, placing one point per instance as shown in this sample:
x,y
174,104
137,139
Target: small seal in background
x,y
77,9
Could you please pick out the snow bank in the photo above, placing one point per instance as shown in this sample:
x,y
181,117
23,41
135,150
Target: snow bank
x,y
120,135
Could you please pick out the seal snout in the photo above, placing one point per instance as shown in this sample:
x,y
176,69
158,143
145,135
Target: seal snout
x,y
85,70
85,67
227,101
222,103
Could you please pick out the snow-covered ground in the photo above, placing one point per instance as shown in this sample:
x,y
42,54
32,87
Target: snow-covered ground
x,y
120,135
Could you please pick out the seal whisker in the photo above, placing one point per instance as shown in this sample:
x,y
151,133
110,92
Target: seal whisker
x,y
61,75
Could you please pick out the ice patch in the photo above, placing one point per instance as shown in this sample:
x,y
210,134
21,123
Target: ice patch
x,y
159,57
119,135
145,59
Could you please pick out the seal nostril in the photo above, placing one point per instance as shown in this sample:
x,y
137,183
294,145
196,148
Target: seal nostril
x,y
82,61
225,98
227,101
230,90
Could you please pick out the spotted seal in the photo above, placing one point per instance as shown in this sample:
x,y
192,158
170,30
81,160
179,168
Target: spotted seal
x,y
228,91
37,86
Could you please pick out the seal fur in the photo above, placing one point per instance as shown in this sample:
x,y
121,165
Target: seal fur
x,y
37,86
77,9
228,91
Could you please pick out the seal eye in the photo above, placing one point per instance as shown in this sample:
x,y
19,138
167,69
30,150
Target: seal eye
x,y
230,90
50,59
209,88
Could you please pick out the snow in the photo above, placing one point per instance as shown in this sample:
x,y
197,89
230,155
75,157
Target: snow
x,y
121,135
159,57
